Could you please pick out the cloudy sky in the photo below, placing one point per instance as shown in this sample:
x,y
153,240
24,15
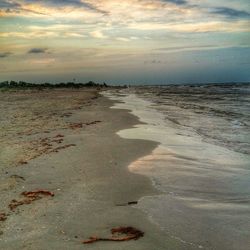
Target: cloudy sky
x,y
126,41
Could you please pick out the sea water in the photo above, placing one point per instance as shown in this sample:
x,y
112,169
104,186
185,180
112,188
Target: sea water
x,y
202,163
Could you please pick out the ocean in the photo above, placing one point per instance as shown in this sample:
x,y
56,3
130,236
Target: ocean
x,y
201,165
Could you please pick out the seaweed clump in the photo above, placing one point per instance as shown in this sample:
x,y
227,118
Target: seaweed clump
x,y
118,234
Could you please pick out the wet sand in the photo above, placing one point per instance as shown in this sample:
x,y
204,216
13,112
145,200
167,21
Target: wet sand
x,y
204,200
66,142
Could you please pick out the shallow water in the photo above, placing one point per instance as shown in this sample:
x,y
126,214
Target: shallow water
x,y
204,177
219,114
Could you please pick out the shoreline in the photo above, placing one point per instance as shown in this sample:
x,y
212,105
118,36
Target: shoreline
x,y
201,184
88,180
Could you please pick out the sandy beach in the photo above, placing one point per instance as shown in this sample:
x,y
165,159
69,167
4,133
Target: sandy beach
x,y
124,125
65,141
78,163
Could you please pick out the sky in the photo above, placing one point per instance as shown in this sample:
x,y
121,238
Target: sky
x,y
126,41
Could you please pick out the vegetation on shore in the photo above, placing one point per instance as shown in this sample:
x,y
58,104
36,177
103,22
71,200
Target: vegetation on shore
x,y
27,85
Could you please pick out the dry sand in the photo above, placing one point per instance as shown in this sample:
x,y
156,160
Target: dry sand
x,y
65,141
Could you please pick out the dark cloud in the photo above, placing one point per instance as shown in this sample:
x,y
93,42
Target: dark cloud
x,y
177,2
230,13
9,5
187,47
62,3
76,3
4,54
13,7
37,51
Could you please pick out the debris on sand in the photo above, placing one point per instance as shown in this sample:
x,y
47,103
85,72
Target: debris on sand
x,y
30,197
132,202
14,203
17,177
43,146
22,162
59,136
62,147
80,125
37,193
128,203
3,216
58,140
76,125
130,233
92,123
66,114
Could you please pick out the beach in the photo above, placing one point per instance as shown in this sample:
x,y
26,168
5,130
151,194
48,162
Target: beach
x,y
111,159
87,172
124,125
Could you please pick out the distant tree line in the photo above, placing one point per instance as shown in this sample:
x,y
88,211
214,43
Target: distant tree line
x,y
24,85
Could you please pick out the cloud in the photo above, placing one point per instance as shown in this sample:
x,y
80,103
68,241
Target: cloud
x,y
37,51
8,7
9,4
230,13
198,27
28,35
77,3
5,54
123,39
177,2
56,8
191,47
14,7
67,3
48,32
98,34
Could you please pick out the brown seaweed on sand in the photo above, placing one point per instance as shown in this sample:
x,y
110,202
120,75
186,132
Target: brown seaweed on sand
x,y
22,162
14,203
38,193
30,197
62,147
92,123
58,140
59,136
118,234
3,216
80,125
75,125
